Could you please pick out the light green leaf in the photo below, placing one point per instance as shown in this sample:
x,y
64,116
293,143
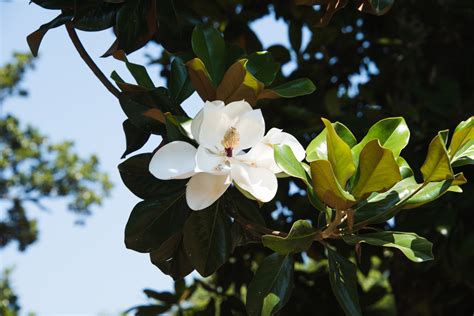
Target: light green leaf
x,y
274,276
414,247
269,303
209,46
463,133
343,279
405,169
392,132
465,155
299,239
339,155
327,187
294,88
318,149
435,190
286,160
437,166
378,170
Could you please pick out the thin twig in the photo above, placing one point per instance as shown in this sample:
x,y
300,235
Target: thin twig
x,y
88,60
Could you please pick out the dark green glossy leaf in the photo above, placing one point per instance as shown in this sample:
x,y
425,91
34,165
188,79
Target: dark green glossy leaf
x,y
166,297
414,247
180,85
97,19
154,221
140,74
262,66
274,277
176,262
138,179
134,136
208,239
149,310
343,278
295,88
131,26
299,239
209,46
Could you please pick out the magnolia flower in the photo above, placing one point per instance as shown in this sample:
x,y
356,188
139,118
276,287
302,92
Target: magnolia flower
x,y
224,133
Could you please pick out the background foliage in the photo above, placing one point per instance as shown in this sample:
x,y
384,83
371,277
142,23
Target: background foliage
x,y
415,61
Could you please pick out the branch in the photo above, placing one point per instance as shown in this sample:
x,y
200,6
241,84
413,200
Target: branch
x,y
88,60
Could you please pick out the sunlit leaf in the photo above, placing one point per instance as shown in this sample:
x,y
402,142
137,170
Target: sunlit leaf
x,y
339,155
392,133
378,170
414,247
299,239
437,166
327,187
318,149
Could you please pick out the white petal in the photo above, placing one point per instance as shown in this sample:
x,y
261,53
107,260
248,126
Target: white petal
x,y
197,121
235,109
210,162
251,128
175,160
215,124
260,182
203,189
261,155
277,137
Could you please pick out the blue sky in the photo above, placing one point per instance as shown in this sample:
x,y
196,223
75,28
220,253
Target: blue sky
x,y
83,270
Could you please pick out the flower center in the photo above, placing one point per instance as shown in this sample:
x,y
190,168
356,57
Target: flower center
x,y
230,141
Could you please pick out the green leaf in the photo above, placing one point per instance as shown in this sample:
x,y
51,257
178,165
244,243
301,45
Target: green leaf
x,y
318,149
461,149
247,208
274,277
209,46
343,279
378,170
97,19
140,75
154,221
295,88
147,310
138,179
286,160
435,190
208,239
392,133
180,85
135,137
166,297
437,166
339,155
327,188
176,264
131,25
35,38
405,169
299,239
262,66
414,247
